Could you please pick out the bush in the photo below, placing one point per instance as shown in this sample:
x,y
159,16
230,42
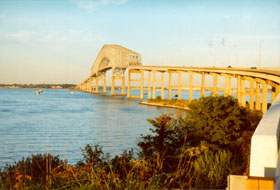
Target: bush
x,y
28,169
217,123
220,121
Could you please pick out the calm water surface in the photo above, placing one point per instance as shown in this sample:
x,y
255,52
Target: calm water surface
x,y
60,122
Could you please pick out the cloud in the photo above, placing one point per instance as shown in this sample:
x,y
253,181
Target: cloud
x,y
92,5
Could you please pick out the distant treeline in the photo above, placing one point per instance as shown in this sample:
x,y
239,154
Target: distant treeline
x,y
56,86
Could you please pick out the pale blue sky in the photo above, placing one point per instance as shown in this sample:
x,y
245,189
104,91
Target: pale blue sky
x,y
56,41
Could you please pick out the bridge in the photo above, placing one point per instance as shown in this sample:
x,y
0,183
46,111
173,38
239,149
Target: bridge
x,y
253,87
249,85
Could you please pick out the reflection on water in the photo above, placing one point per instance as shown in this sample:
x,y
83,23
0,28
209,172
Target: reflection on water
x,y
61,122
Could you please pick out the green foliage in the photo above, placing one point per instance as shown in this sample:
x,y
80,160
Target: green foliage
x,y
220,121
159,150
93,157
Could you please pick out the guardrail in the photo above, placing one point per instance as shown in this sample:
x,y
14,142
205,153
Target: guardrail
x,y
264,159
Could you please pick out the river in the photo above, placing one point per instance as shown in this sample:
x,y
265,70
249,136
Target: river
x,y
61,122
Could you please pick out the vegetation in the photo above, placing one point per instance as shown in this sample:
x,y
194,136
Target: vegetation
x,y
64,86
177,103
197,150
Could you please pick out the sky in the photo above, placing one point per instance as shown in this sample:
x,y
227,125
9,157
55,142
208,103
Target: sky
x,y
57,41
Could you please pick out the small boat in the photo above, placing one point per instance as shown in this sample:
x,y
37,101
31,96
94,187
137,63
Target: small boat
x,y
175,95
38,92
72,92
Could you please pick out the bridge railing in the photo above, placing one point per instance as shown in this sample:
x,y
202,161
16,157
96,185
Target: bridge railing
x,y
264,159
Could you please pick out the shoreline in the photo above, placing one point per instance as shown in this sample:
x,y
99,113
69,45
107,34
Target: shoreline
x,y
162,105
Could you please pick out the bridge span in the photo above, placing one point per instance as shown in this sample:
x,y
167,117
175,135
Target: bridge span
x,y
253,84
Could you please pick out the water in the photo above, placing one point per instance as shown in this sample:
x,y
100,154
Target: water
x,y
60,122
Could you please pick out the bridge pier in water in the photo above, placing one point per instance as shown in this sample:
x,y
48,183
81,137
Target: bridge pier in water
x,y
114,78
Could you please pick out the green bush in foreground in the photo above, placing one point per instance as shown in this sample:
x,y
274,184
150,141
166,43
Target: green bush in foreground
x,y
197,150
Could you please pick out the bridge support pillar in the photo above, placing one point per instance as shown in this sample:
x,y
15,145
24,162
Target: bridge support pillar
x,y
215,84
149,85
142,85
141,81
238,93
154,85
258,97
227,91
128,83
252,94
96,85
123,84
97,80
274,90
264,98
104,85
113,86
170,85
179,85
202,92
162,85
89,85
243,93
264,95
119,77
190,86
155,81
178,88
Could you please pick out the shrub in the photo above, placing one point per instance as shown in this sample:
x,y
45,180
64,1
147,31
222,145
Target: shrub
x,y
217,123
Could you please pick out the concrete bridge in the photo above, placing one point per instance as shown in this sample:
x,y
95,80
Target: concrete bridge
x,y
251,84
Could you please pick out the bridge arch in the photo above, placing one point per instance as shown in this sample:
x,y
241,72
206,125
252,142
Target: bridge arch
x,y
114,57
